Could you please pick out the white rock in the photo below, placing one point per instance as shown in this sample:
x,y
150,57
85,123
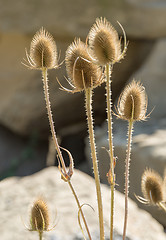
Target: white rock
x,y
18,193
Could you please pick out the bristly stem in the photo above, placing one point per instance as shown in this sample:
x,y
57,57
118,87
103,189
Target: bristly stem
x,y
110,137
88,105
128,153
40,235
162,206
79,206
51,122
50,117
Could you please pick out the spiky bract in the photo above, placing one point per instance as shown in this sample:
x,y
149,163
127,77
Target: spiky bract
x,y
80,68
104,42
39,216
43,51
132,103
151,186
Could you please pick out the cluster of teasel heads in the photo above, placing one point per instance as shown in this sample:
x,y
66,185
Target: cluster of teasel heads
x,y
88,65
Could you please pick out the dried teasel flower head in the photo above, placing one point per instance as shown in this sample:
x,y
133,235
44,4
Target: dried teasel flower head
x,y
151,185
82,72
132,103
39,216
104,43
164,184
43,51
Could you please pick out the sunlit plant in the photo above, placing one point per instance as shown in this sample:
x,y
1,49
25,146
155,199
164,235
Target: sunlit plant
x,y
88,65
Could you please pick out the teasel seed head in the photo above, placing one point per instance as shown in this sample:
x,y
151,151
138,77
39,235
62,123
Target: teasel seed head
x,y
82,72
104,43
39,216
43,51
164,184
132,103
151,186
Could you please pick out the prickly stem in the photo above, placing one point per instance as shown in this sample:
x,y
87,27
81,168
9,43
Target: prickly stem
x,y
128,153
88,105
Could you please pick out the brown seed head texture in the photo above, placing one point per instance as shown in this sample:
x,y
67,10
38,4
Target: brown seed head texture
x,y
164,184
39,216
104,42
80,69
43,50
133,98
151,186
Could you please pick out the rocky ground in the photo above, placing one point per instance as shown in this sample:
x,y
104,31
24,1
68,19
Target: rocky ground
x,y
17,195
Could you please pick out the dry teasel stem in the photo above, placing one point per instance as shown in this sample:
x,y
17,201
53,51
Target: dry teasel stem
x,y
104,43
64,174
105,50
43,51
132,106
85,75
80,68
43,56
88,106
111,148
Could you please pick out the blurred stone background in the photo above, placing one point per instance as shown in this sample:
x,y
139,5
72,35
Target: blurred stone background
x,y
24,129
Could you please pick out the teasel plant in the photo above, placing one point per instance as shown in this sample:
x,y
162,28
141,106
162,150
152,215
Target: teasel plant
x,y
153,189
84,75
44,56
164,189
40,217
132,107
105,51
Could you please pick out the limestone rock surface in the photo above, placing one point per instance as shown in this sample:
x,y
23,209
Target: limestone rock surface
x,y
18,193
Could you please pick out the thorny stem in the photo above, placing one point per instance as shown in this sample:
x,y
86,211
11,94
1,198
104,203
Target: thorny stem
x,y
162,206
128,153
88,102
83,217
48,106
40,235
110,137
